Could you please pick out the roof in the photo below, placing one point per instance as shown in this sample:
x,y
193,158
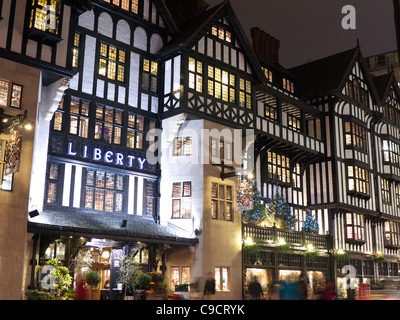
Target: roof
x,y
191,28
138,228
382,84
323,76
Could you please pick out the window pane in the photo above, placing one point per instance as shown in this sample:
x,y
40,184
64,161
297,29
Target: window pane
x,y
3,93
16,96
176,189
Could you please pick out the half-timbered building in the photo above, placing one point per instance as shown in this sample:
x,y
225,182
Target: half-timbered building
x,y
150,116
352,182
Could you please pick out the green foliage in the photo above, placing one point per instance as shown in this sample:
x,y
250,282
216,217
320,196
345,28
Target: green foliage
x,y
283,247
127,273
92,278
83,261
142,281
279,212
257,214
158,281
310,224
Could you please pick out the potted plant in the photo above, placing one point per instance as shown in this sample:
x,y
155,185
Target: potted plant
x,y
142,284
92,279
127,275
157,286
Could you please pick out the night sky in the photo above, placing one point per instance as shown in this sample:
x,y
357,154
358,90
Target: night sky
x,y
312,29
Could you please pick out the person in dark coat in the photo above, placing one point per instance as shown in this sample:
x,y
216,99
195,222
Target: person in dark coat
x,y
255,290
209,287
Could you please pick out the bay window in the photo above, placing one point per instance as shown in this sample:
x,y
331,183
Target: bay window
x,y
355,227
358,180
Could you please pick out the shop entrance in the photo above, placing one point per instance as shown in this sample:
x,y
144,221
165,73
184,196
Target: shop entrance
x,y
316,281
264,277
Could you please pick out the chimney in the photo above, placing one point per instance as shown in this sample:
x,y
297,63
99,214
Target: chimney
x,y
266,46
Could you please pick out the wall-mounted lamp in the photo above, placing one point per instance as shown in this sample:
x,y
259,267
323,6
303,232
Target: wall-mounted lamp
x,y
123,224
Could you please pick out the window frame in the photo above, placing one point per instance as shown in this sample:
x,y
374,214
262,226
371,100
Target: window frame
x,y
355,135
391,230
47,36
9,94
94,187
219,278
271,157
222,202
356,225
104,62
181,199
357,179
103,121
148,71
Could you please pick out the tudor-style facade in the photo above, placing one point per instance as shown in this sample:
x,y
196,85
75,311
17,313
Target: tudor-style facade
x,y
360,193
329,147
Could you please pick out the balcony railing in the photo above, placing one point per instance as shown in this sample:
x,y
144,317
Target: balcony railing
x,y
273,235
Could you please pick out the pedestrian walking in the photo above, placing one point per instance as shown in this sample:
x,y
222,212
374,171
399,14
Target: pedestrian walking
x,y
209,287
255,289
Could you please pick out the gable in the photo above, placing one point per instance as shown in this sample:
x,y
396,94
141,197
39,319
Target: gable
x,y
217,35
221,42
357,83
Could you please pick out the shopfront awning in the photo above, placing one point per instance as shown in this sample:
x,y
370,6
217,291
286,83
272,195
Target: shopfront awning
x,y
129,229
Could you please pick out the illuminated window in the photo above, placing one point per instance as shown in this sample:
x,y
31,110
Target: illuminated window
x,y
392,231
128,5
45,16
354,91
355,227
135,131
195,75
182,146
181,200
300,216
244,93
294,123
221,202
52,183
112,62
288,85
271,113
4,85
179,275
358,180
149,75
391,152
10,94
79,118
58,116
221,84
385,185
222,279
267,73
296,177
108,125
75,50
278,168
398,194
150,196
355,136
221,33
104,191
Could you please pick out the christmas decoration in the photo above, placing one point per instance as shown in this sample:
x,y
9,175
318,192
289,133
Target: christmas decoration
x,y
279,213
310,224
